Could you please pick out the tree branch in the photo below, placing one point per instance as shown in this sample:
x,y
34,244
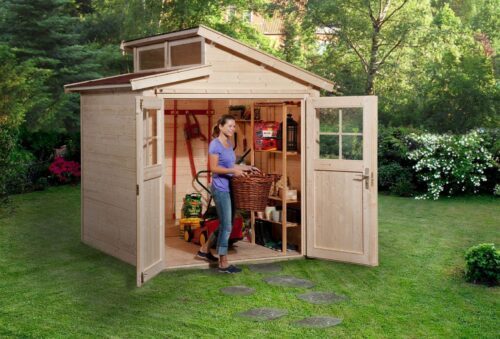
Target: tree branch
x,y
370,11
393,12
400,41
383,12
360,56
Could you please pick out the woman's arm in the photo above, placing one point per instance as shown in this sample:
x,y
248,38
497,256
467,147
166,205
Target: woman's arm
x,y
215,168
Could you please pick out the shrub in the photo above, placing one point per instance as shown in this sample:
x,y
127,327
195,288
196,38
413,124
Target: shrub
x,y
396,179
18,171
65,171
492,144
395,172
448,163
482,264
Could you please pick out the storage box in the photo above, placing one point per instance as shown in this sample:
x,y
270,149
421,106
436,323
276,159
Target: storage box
x,y
265,135
291,194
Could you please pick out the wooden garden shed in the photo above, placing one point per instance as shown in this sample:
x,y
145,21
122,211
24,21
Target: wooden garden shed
x,y
137,164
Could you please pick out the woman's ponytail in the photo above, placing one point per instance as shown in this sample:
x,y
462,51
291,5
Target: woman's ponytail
x,y
216,131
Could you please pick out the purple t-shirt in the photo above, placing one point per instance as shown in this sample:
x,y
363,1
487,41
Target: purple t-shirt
x,y
226,160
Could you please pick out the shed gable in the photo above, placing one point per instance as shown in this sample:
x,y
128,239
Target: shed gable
x,y
233,72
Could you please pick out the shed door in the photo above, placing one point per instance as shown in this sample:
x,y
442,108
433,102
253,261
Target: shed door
x,y
150,188
341,155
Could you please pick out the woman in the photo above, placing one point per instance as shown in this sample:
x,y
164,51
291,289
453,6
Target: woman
x,y
222,164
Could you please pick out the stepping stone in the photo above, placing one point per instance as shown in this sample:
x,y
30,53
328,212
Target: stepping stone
x,y
262,314
237,290
321,297
318,322
265,268
288,281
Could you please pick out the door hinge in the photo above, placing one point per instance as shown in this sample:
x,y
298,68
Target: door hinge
x,y
142,277
136,189
141,103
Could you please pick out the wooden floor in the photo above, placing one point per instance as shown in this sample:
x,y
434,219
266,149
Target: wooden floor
x,y
181,254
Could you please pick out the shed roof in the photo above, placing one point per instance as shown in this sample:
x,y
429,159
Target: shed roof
x,y
122,80
237,47
142,80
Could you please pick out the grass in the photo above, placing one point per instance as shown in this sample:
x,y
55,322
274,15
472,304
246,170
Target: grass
x,y
52,285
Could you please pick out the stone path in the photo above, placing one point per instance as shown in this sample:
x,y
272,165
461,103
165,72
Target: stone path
x,y
288,281
238,290
266,314
265,268
321,297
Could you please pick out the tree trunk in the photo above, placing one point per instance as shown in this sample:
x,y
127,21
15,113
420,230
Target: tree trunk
x,y
373,63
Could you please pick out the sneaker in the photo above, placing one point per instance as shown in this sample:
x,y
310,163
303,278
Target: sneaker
x,y
207,256
230,269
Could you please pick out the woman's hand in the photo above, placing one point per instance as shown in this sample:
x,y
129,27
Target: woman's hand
x,y
238,172
248,168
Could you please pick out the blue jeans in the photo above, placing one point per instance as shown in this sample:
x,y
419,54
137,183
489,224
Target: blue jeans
x,y
224,207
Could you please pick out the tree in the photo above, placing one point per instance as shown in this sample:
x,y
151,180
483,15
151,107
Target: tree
x,y
20,82
373,30
52,42
461,92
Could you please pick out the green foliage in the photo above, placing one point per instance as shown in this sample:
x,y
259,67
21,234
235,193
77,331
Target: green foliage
x,y
15,93
462,93
482,265
395,173
17,174
397,180
367,35
450,164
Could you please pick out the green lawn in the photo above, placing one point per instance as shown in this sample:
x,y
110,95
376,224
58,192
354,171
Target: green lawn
x,y
51,285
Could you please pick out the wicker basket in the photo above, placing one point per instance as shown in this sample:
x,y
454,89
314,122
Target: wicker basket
x,y
251,192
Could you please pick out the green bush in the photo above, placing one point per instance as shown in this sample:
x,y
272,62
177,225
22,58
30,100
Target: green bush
x,y
396,179
395,174
482,265
491,138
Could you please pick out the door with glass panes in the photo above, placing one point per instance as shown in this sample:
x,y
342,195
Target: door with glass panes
x,y
150,188
341,146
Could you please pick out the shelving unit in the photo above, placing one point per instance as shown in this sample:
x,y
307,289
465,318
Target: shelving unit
x,y
284,155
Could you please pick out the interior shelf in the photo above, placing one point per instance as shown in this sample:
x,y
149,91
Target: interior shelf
x,y
288,224
278,152
276,198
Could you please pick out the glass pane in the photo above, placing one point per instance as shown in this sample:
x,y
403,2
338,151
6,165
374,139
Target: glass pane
x,y
328,146
151,138
352,120
352,147
328,120
185,54
152,58
145,138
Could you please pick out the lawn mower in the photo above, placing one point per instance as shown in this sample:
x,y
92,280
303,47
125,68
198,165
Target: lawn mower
x,y
198,231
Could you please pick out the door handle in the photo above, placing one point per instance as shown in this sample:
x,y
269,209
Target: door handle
x,y
364,177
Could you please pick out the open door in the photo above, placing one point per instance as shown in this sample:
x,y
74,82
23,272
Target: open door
x,y
341,157
150,188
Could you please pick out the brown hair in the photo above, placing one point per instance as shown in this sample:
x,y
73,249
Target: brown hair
x,y
222,121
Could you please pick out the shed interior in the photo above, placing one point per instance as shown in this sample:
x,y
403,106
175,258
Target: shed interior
x,y
184,158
